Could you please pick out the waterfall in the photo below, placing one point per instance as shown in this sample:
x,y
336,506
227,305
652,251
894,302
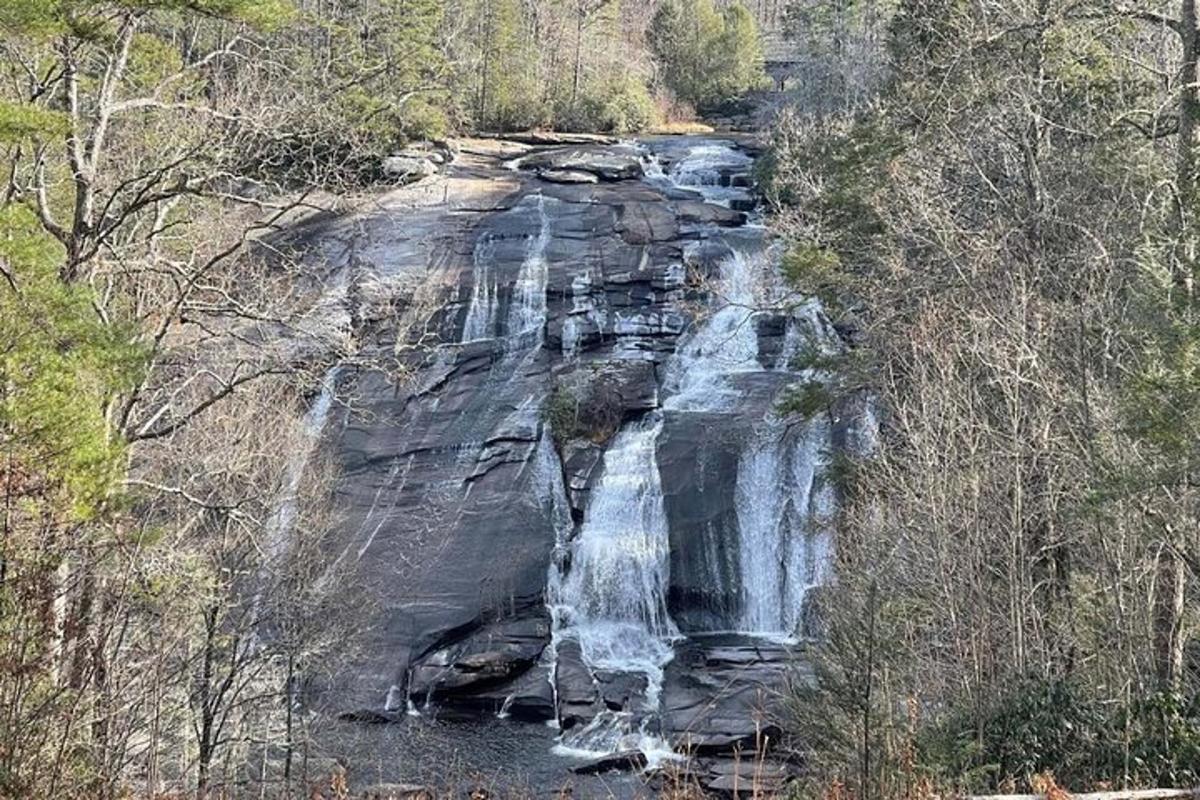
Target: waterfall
x,y
482,310
527,312
724,344
607,588
783,504
781,496
760,504
708,169
552,497
586,314
526,318
613,600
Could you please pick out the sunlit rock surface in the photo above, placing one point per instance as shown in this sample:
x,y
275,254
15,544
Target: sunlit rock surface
x,y
572,515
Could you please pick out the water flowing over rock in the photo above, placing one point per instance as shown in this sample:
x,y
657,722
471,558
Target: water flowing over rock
x,y
581,505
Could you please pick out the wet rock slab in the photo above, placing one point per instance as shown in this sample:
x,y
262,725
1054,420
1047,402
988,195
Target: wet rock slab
x,y
606,163
568,176
494,654
617,762
723,694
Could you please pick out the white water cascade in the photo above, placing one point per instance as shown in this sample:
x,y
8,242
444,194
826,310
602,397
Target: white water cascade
x,y
782,497
482,310
613,600
608,586
705,169
724,344
527,311
784,545
526,317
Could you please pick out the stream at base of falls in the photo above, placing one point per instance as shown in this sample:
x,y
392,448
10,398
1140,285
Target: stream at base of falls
x,y
586,527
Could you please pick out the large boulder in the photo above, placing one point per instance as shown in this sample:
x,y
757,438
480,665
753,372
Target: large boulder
x,y
697,213
576,689
644,223
624,761
409,168
568,176
606,163
490,656
723,696
556,138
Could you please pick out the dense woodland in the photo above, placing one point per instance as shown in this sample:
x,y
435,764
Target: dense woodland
x,y
998,203
1007,226
151,333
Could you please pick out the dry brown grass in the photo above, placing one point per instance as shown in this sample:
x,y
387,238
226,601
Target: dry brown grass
x,y
681,128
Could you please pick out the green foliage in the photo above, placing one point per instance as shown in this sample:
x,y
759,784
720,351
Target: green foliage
x,y
813,269
1162,398
622,105
151,59
810,356
852,165
21,121
709,59
588,410
806,400
1056,726
262,14
59,364
44,18
561,412
508,95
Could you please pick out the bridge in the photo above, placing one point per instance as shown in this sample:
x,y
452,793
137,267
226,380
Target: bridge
x,y
781,58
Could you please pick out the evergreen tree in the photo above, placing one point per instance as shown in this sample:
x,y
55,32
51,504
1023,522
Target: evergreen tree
x,y
707,58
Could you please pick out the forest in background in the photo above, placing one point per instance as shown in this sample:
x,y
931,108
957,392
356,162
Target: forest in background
x,y
998,203
151,332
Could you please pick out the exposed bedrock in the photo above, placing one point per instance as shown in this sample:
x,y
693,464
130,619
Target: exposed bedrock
x,y
608,162
517,331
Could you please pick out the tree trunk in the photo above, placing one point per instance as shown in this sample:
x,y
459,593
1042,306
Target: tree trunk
x,y
578,54
1185,178
1168,618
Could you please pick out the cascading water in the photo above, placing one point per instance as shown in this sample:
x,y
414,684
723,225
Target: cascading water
x,y
482,310
782,506
520,331
613,600
608,587
784,500
526,316
527,312
712,170
724,344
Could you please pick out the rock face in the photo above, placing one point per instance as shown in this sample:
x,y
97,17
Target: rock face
x,y
596,290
